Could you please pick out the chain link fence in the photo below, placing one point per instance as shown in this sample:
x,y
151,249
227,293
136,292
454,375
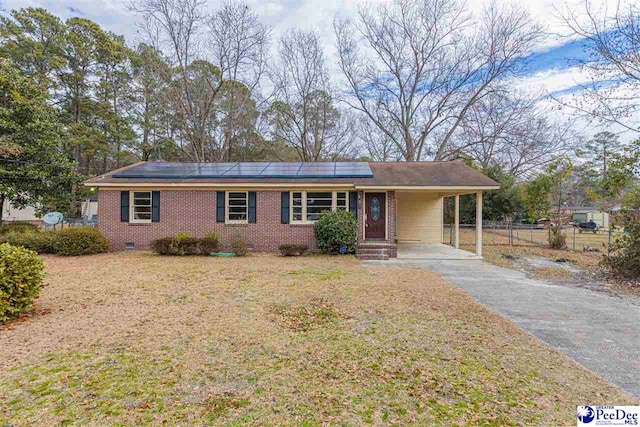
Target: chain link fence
x,y
496,233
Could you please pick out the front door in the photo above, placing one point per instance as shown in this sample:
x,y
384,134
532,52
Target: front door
x,y
376,211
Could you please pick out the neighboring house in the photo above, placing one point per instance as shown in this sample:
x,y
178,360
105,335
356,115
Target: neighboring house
x,y
570,210
579,214
28,213
600,218
270,203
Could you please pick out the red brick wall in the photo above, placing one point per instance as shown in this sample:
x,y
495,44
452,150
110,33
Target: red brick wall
x,y
194,211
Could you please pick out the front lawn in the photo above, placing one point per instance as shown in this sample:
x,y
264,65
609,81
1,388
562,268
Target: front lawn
x,y
135,338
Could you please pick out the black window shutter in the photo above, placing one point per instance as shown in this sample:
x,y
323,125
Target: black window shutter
x,y
284,213
124,206
353,203
252,207
220,206
155,206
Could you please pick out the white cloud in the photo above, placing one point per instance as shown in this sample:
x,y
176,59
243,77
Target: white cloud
x,y
553,80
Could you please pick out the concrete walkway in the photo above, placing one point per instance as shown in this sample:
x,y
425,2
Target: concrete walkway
x,y
599,331
436,251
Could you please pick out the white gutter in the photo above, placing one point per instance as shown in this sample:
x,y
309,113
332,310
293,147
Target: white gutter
x,y
215,185
425,187
286,185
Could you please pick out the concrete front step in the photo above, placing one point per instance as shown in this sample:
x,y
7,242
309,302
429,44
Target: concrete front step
x,y
361,249
373,257
376,245
374,250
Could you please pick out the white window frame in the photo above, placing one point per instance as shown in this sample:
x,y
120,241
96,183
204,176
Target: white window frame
x,y
227,206
334,204
132,208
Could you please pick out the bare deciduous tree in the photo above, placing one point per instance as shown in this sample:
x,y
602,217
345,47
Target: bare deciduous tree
x,y
510,130
380,148
612,41
239,45
416,67
213,74
304,115
173,26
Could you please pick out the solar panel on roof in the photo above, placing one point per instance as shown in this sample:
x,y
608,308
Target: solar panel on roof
x,y
247,169
158,170
212,170
255,170
281,170
316,169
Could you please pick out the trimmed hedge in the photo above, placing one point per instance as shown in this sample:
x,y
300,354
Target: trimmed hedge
x,y
42,242
183,244
209,244
164,246
21,276
80,241
18,227
335,230
293,249
68,242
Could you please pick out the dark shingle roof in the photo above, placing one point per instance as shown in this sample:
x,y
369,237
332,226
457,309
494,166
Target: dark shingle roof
x,y
428,174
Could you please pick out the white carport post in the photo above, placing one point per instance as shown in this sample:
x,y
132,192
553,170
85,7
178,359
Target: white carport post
x,y
457,221
479,223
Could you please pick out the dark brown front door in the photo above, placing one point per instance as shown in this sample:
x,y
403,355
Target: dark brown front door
x,y
376,210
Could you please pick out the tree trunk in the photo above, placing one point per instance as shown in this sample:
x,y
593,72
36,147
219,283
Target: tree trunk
x,y
2,199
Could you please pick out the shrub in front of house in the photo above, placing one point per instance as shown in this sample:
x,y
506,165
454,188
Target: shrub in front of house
x,y
69,242
335,230
164,246
293,249
624,260
18,227
42,242
209,243
80,241
188,246
181,235
21,276
239,247
184,244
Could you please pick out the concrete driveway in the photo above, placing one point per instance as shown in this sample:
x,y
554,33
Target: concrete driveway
x,y
599,331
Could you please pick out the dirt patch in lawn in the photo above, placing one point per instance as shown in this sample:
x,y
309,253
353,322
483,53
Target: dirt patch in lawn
x,y
135,338
576,269
317,312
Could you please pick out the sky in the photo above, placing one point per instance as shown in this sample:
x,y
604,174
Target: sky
x,y
549,71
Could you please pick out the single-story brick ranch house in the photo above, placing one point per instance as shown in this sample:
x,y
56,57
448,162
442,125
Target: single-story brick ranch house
x,y
271,203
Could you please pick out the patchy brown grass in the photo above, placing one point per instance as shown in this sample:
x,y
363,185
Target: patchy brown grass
x,y
138,339
494,254
317,312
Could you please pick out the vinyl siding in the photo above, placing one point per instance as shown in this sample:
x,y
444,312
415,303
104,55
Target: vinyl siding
x,y
419,217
